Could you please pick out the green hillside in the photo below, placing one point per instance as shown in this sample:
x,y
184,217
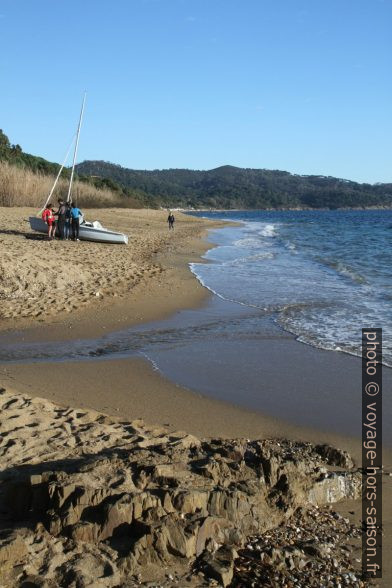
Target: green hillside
x,y
232,187
224,187
15,156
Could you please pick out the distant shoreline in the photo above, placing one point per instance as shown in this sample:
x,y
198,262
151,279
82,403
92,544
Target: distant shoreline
x,y
293,209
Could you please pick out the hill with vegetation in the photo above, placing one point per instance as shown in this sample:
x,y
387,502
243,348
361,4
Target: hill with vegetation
x,y
232,187
14,155
100,183
25,180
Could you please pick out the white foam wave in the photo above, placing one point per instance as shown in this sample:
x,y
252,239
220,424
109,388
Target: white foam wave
x,y
153,363
331,334
268,230
349,349
247,242
202,282
291,246
247,259
253,233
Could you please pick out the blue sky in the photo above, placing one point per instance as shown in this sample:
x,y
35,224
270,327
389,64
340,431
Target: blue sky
x,y
298,85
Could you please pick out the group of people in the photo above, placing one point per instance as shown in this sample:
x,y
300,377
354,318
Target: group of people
x,y
68,220
67,223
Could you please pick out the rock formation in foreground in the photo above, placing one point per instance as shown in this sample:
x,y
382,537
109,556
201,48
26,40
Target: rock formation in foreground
x,y
90,501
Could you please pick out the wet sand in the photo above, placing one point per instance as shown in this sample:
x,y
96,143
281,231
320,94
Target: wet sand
x,y
141,392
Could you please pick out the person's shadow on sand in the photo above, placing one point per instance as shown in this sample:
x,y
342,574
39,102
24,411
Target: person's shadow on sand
x,y
31,236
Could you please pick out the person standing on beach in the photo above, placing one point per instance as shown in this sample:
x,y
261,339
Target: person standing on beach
x,y
67,225
61,215
49,219
170,220
75,221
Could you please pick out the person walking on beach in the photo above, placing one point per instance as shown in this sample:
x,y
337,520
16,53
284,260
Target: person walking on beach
x,y
49,219
75,221
61,215
170,220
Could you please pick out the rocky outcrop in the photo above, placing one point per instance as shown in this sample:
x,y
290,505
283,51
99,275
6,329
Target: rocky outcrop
x,y
156,500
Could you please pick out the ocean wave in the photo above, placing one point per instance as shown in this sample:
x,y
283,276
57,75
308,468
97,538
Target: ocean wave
x,y
317,287
192,267
327,328
344,270
269,230
247,242
253,232
350,349
249,258
290,246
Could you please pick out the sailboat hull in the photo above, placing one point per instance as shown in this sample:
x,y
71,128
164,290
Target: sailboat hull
x,y
87,232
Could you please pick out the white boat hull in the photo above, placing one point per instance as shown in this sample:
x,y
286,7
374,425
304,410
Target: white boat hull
x,y
87,232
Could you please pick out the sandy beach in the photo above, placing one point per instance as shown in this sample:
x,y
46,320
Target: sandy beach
x,y
61,282
64,290
147,280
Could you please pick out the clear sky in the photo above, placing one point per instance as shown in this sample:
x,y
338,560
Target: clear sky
x,y
298,85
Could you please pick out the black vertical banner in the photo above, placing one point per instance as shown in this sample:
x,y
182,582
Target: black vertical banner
x,y
372,453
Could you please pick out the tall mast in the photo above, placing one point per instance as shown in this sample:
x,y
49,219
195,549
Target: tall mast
x,y
76,149
58,175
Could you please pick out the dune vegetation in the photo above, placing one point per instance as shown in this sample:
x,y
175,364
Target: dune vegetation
x,y
26,180
20,186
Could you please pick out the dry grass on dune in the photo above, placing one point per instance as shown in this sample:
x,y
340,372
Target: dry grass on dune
x,y
22,187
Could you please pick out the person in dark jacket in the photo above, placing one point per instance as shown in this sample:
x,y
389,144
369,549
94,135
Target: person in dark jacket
x,y
170,220
67,226
61,218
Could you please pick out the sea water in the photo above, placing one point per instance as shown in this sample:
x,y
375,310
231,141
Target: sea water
x,y
322,275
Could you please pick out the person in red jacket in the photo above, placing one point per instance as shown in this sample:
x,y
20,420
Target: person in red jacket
x,y
48,217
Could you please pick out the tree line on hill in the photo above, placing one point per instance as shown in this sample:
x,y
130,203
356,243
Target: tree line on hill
x,y
16,157
232,187
225,187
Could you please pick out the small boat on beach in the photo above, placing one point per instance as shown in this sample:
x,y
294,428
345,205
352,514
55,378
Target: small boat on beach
x,y
88,231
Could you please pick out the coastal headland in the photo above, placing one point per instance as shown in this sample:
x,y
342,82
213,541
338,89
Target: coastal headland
x,y
88,418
